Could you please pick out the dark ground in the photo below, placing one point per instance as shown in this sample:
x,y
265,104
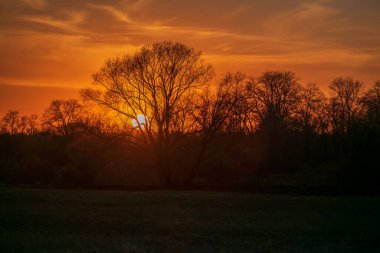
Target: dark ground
x,y
33,220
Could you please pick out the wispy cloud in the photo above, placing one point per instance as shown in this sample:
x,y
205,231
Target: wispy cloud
x,y
139,4
120,15
57,37
37,4
71,25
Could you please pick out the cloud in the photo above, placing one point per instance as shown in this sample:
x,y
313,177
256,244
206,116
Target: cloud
x,y
121,16
65,41
70,26
36,4
139,4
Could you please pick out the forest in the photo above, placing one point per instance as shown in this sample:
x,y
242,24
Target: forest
x,y
161,118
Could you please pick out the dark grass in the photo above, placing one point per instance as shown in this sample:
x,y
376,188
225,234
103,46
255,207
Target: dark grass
x,y
34,220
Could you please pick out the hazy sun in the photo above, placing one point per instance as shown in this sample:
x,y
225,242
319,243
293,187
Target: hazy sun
x,y
140,120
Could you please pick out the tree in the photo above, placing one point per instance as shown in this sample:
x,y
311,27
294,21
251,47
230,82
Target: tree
x,y
213,109
345,106
311,113
10,122
274,98
372,104
153,83
32,124
13,123
62,116
23,124
311,118
241,120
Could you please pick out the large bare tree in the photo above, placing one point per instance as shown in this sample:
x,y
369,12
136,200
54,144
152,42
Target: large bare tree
x,y
151,88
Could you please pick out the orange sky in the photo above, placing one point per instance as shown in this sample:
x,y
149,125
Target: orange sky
x,y
59,44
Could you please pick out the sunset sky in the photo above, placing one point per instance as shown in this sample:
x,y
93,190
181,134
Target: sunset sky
x,y
58,44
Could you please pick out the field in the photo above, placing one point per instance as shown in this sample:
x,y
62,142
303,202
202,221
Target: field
x,y
33,220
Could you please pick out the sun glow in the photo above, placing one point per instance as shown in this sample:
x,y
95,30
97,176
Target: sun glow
x,y
140,121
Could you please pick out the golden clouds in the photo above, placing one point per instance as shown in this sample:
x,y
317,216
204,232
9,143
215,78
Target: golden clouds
x,y
62,42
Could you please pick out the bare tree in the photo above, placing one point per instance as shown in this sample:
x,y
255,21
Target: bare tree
x,y
242,120
23,124
149,88
345,104
311,110
274,98
213,109
10,122
32,124
62,116
372,104
13,123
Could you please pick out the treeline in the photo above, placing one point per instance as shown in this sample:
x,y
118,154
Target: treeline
x,y
159,118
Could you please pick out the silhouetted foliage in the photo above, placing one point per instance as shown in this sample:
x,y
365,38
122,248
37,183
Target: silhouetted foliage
x,y
62,116
152,85
345,105
372,105
160,118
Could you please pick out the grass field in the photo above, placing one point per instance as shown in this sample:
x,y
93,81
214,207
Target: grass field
x,y
34,220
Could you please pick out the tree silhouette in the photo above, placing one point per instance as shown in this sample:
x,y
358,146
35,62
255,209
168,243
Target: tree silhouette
x,y
161,108
10,123
372,103
32,124
274,97
153,83
311,112
62,116
13,123
212,111
345,105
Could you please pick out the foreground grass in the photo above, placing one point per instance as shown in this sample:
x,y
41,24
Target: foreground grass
x,y
109,221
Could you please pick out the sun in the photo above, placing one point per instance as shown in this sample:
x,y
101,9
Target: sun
x,y
140,120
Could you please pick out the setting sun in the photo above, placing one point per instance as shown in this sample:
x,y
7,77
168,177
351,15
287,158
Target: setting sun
x,y
141,120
